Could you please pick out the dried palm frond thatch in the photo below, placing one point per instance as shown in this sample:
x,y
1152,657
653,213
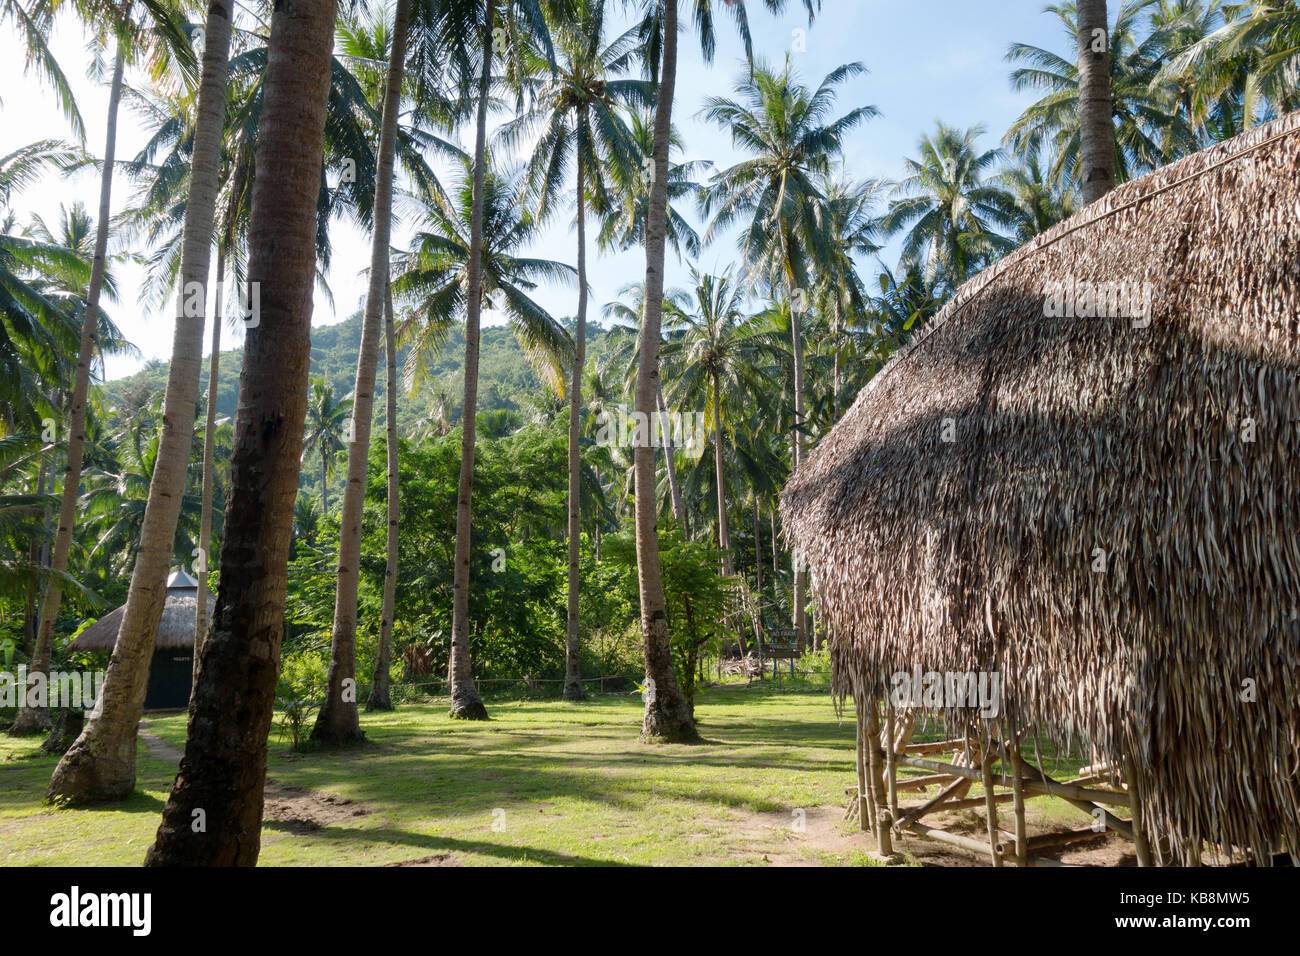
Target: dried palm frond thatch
x,y
1113,520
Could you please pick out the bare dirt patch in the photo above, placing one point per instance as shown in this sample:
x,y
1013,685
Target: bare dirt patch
x,y
299,810
438,859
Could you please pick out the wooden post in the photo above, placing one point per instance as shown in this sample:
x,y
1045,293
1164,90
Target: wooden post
x,y
1018,794
876,782
990,806
864,801
891,762
1140,844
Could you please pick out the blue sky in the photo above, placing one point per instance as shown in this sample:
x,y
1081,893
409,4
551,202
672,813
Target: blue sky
x,y
928,59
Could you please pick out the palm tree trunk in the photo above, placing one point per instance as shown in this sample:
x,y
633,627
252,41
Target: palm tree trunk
x,y
835,344
800,578
380,696
1096,123
776,563
209,466
223,771
337,722
670,461
324,481
758,552
667,714
572,667
465,701
33,719
100,765
724,532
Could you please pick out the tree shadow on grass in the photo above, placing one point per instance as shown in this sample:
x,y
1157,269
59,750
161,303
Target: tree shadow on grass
x,y
435,844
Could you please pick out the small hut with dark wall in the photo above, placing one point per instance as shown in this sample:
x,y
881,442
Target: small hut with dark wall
x,y
1083,476
173,654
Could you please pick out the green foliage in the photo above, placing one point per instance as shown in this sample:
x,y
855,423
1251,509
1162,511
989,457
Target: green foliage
x,y
699,599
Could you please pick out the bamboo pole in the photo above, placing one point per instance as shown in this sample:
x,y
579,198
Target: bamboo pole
x,y
875,771
921,783
1140,844
932,805
1018,795
864,799
891,763
990,807
1035,782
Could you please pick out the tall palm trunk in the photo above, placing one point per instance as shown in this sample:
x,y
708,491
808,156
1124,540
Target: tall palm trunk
x,y
758,552
835,344
380,695
572,670
100,765
800,575
724,531
209,467
465,701
337,721
670,461
31,719
324,481
213,816
667,714
776,563
1096,123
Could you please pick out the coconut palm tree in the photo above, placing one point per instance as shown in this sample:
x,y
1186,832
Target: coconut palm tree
x,y
1236,63
38,275
1037,204
667,715
35,719
447,264
1096,125
1148,127
792,139
337,721
627,310
622,223
223,771
33,22
852,228
717,353
100,765
578,111
945,209
470,30
326,421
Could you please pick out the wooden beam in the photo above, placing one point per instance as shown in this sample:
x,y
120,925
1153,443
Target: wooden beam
x,y
1035,782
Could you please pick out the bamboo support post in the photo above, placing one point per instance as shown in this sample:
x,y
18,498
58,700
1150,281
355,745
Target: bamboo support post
x,y
1018,796
1140,845
990,806
876,782
865,821
891,762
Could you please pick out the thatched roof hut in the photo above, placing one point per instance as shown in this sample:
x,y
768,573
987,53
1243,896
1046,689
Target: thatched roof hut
x,y
1105,511
175,630
170,670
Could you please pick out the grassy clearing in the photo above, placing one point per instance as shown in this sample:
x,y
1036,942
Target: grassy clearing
x,y
543,782
574,784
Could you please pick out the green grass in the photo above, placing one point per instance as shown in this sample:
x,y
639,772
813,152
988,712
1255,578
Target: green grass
x,y
562,783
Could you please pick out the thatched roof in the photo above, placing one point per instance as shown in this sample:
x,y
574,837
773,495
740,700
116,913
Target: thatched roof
x,y
175,630
1071,435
